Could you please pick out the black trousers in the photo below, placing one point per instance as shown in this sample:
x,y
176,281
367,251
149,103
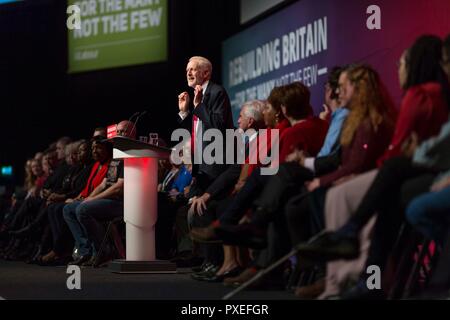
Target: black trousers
x,y
243,200
26,213
391,217
63,241
212,252
287,183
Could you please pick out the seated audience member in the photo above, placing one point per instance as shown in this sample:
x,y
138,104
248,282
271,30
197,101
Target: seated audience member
x,y
30,178
423,111
104,203
74,183
204,208
429,213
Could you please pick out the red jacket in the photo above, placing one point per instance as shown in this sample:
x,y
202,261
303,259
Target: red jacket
x,y
281,127
423,110
360,156
95,178
307,135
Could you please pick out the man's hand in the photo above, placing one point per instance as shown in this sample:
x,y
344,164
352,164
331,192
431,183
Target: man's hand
x,y
313,185
297,156
326,113
198,95
55,197
183,101
199,204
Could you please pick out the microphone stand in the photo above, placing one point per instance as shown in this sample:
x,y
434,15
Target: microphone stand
x,y
137,119
129,119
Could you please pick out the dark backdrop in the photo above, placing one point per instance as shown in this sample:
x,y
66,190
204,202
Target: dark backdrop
x,y
40,101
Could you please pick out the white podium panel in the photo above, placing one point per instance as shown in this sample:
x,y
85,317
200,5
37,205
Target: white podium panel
x,y
140,206
141,203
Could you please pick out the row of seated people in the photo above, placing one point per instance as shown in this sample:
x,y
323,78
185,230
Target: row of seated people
x,y
63,174
375,165
70,191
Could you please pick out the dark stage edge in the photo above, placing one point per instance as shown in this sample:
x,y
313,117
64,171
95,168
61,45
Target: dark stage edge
x,y
20,281
158,266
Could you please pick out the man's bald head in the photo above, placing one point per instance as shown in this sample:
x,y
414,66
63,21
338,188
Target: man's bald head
x,y
126,128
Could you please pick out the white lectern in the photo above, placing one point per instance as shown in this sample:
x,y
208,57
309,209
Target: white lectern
x,y
140,206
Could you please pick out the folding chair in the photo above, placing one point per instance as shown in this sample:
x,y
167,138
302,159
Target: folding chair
x,y
113,235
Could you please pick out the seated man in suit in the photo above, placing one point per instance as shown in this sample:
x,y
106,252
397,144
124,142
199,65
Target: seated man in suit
x,y
204,208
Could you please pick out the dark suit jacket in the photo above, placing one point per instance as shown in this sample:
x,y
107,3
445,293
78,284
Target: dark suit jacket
x,y
327,164
225,181
214,112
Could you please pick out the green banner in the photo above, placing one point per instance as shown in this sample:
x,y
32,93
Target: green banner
x,y
115,33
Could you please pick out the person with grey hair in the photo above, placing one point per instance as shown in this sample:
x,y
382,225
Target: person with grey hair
x,y
211,110
253,110
204,209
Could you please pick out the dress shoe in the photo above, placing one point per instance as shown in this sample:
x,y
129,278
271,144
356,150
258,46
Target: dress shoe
x,y
246,235
205,235
202,267
49,256
227,274
312,291
89,263
329,246
80,260
208,273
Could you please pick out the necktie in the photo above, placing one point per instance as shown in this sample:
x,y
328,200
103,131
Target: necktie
x,y
167,179
193,137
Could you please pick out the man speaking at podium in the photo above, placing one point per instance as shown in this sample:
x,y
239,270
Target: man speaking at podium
x,y
211,110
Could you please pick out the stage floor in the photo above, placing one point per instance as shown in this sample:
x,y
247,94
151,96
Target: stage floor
x,y
19,281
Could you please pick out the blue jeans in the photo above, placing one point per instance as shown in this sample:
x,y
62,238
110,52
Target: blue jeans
x,y
430,214
79,234
84,220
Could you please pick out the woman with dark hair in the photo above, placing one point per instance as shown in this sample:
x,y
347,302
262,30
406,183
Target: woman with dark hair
x,y
423,111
